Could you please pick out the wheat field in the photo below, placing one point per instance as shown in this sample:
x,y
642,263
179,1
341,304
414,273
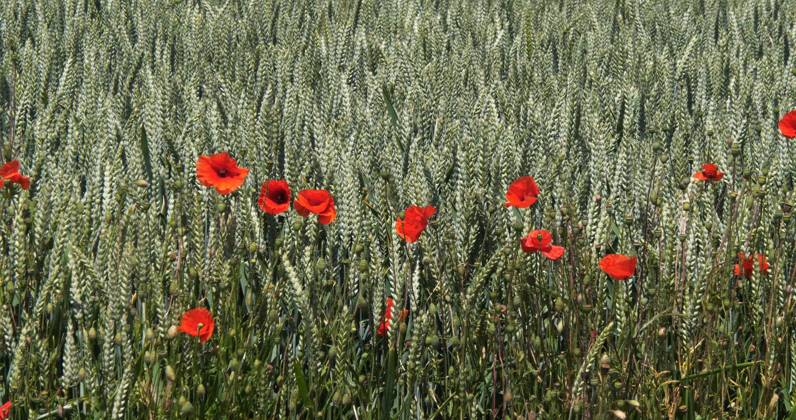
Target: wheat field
x,y
387,311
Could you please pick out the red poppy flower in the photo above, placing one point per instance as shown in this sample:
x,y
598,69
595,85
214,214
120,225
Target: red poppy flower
x,y
221,172
787,125
5,410
748,264
10,173
274,197
318,202
522,192
709,172
198,322
618,266
541,240
538,240
414,222
384,326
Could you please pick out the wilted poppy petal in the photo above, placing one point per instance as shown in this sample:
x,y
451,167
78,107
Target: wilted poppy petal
x,y
384,325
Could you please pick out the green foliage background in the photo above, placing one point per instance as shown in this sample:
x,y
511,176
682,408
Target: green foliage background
x,y
610,105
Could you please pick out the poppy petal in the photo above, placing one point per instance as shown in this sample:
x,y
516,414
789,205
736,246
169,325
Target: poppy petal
x,y
554,253
9,168
787,125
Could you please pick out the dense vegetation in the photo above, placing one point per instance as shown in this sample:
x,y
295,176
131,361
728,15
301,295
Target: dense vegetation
x,y
610,105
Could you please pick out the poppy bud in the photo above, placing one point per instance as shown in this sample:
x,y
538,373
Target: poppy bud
x,y
149,356
200,391
536,341
233,364
361,303
170,374
577,407
507,396
359,248
363,266
141,183
559,304
684,183
186,408
628,218
517,225
172,332
619,414
686,206
252,247
92,333
320,265
656,147
297,225
735,150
